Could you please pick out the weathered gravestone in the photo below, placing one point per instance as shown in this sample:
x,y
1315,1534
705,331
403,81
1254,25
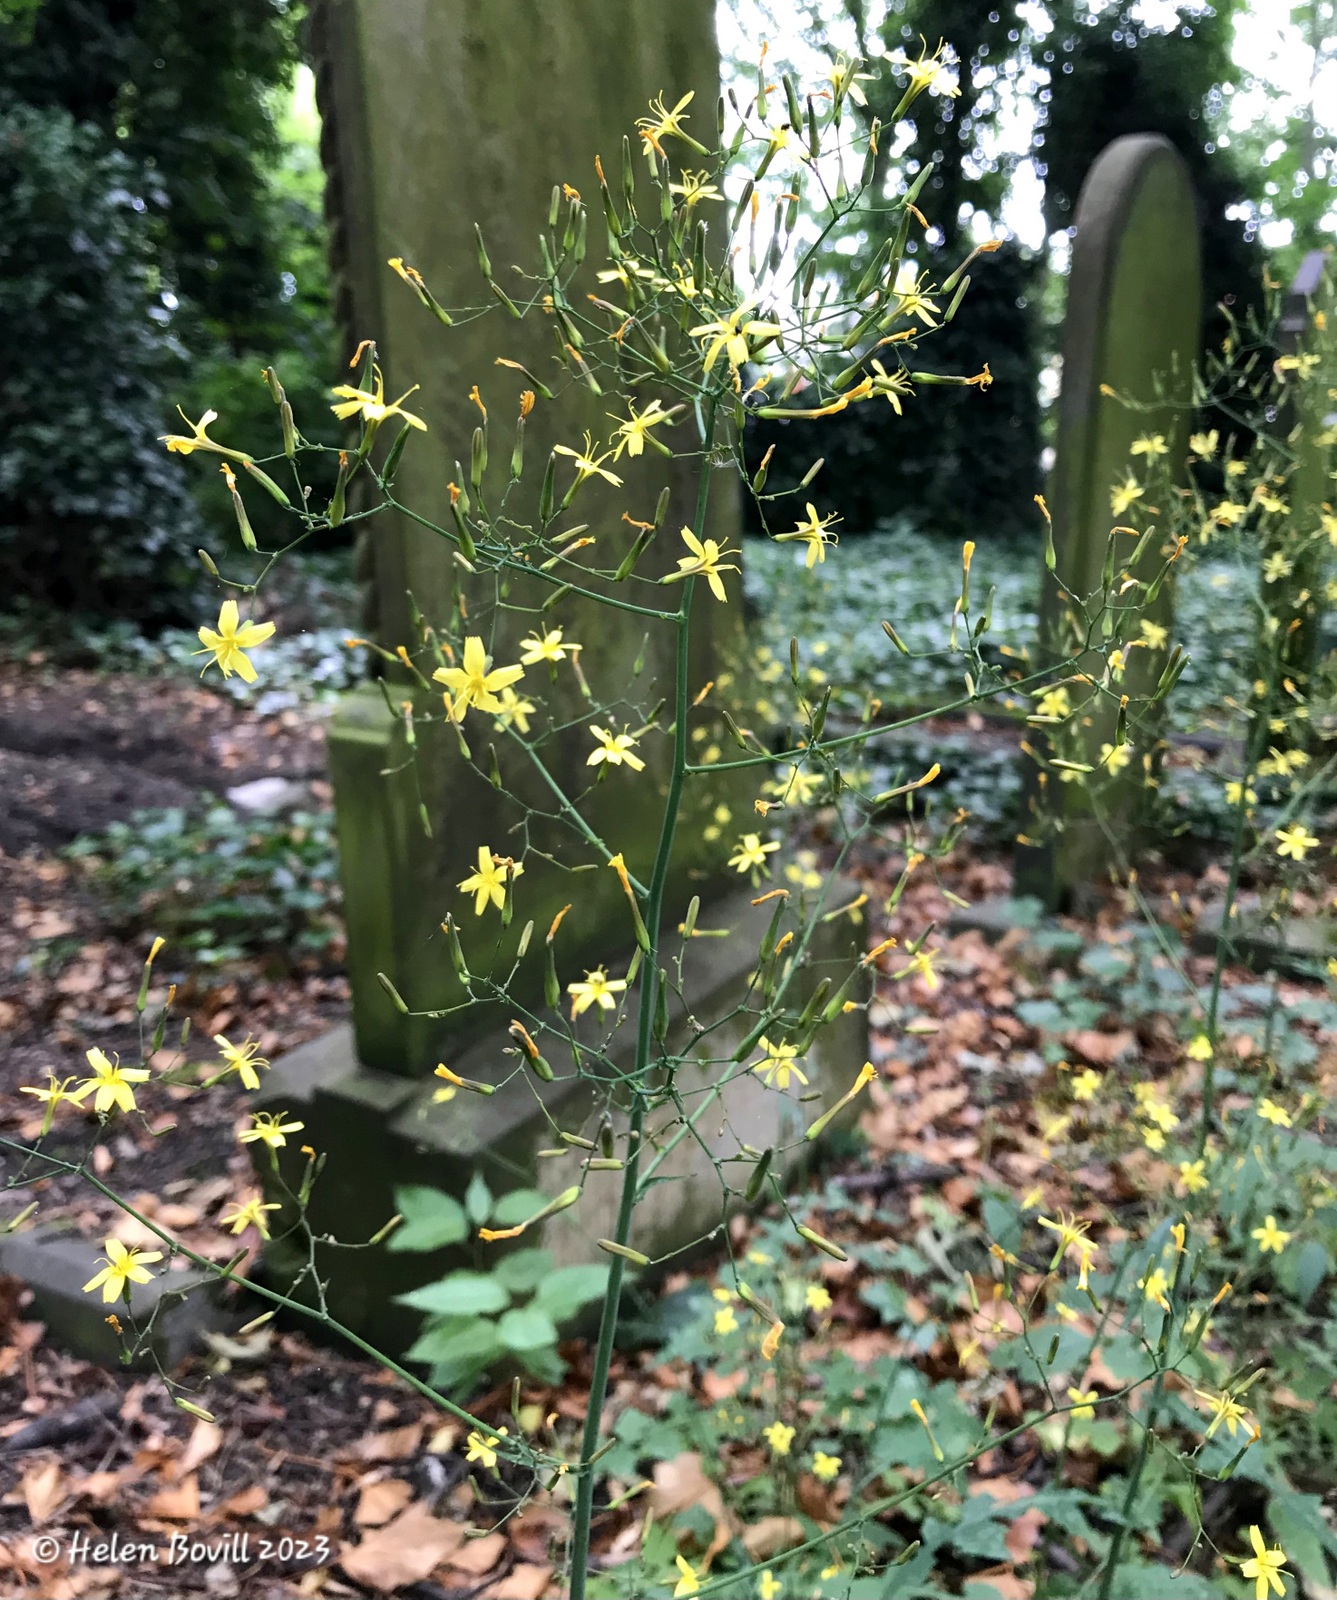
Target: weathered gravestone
x,y
440,113
1132,326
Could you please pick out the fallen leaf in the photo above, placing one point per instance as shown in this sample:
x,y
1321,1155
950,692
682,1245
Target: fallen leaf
x,y
681,1485
1101,1049
477,1556
43,1489
180,1503
404,1551
394,1445
1003,1584
521,1583
246,1502
1023,1534
378,1502
206,1439
771,1535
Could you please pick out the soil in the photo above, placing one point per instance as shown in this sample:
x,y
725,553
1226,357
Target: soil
x,y
80,750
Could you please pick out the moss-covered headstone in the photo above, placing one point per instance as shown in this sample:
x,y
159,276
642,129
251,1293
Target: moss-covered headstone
x,y
1130,341
440,114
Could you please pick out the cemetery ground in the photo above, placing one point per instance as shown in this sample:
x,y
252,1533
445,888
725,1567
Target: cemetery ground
x,y
988,1082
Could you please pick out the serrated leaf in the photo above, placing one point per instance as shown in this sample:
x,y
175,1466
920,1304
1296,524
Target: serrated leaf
x,y
523,1270
432,1220
476,1341
478,1200
459,1294
518,1206
526,1328
565,1291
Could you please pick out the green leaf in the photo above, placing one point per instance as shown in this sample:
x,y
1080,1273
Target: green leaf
x,y
1297,1521
476,1341
527,1328
432,1220
459,1294
1311,1267
523,1270
478,1200
564,1292
518,1206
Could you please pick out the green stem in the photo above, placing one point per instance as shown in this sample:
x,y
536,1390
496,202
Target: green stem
x,y
654,907
1134,1482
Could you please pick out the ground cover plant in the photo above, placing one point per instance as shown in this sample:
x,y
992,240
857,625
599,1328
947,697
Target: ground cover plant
x,y
1068,1324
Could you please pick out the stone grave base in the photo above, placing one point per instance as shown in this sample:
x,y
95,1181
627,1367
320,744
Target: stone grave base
x,y
1296,947
379,1131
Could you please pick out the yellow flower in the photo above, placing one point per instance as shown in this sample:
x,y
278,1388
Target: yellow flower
x,y
1276,567
123,1267
1204,444
813,531
616,749
1159,1114
1295,841
725,1321
1115,757
487,883
688,1583
1271,1237
780,1436
1065,1313
1193,1176
231,640
597,990
371,404
1199,1048
270,1129
1154,636
1124,494
515,710
663,123
707,558
549,647
1271,1112
1264,1565
817,1298
1085,1084
1084,1405
242,1059
1152,444
891,385
778,1064
750,852
694,188
476,683
589,465
1225,1408
1154,1139
1154,1286
109,1085
1054,703
482,1448
825,1467
1228,513
928,72
769,1586
1235,792
199,438
53,1095
1070,1232
732,335
250,1214
632,434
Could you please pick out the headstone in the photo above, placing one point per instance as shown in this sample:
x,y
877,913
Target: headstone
x,y
439,114
1131,333
1309,485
